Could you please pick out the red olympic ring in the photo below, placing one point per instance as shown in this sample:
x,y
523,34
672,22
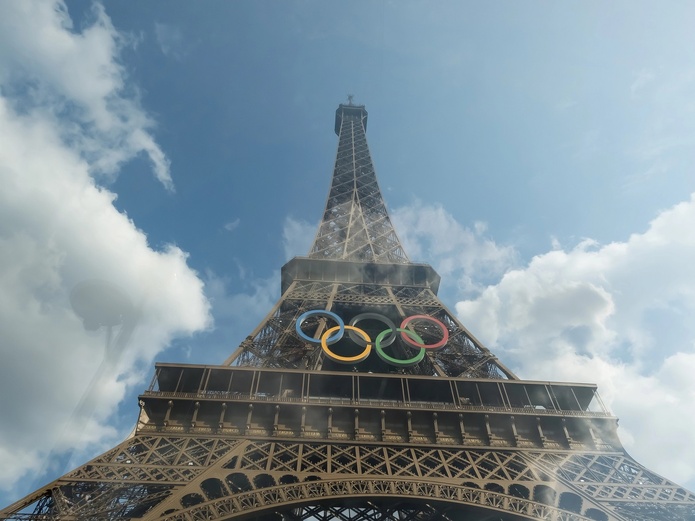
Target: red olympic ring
x,y
436,345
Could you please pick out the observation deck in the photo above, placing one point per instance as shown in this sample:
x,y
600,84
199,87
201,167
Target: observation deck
x,y
371,408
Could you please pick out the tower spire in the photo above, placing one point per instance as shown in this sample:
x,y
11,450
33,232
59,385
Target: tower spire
x,y
356,225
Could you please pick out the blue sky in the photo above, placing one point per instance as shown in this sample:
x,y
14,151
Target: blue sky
x,y
539,155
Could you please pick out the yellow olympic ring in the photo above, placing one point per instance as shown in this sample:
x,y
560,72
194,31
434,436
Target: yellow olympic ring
x,y
346,359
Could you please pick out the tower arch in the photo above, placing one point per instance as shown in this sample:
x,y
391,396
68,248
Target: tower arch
x,y
377,494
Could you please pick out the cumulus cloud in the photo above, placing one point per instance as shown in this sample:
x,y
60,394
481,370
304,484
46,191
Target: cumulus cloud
x,y
65,118
297,237
73,76
614,314
431,234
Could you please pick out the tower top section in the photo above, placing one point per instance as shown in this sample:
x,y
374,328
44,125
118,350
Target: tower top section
x,y
356,226
357,285
353,111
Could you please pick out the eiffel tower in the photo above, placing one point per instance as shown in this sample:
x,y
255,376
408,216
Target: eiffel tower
x,y
361,397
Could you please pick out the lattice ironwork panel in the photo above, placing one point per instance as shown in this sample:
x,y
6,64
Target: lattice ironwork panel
x,y
155,458
399,511
622,484
103,501
129,480
462,355
386,461
614,477
276,343
652,512
356,225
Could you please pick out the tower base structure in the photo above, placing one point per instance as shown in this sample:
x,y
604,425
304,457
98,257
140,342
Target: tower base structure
x,y
219,442
329,411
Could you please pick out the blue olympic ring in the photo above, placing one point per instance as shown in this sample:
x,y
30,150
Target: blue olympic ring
x,y
321,312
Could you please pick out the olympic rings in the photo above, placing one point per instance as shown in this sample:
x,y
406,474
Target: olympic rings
x,y
360,337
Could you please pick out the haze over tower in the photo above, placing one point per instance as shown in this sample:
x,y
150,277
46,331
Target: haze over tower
x,y
355,225
361,397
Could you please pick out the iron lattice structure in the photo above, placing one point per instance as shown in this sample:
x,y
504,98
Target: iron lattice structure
x,y
290,429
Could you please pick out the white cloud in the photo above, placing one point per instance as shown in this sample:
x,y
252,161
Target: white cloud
x,y
64,117
61,72
297,237
431,234
616,315
232,225
170,40
255,300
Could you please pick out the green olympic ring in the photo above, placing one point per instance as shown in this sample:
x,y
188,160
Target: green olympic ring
x,y
396,361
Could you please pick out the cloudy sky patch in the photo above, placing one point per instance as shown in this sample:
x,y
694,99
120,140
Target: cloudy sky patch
x,y
64,121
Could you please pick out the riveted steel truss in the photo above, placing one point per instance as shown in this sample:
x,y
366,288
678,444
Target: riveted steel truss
x,y
356,225
275,342
280,432
356,265
192,477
